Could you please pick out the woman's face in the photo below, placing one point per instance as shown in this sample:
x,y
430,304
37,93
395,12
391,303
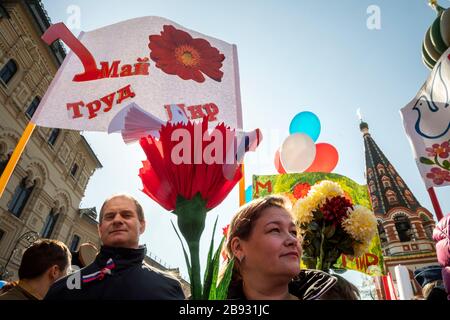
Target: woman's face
x,y
273,248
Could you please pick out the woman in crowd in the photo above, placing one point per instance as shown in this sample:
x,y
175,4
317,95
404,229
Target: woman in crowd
x,y
263,239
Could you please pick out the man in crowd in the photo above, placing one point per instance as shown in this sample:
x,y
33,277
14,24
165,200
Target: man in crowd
x,y
44,262
119,271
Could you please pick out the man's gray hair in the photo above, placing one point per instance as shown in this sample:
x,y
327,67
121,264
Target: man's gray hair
x,y
139,210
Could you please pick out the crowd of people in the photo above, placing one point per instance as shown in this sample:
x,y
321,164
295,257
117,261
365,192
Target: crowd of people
x,y
263,241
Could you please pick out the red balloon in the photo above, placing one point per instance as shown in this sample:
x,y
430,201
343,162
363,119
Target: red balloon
x,y
326,158
277,162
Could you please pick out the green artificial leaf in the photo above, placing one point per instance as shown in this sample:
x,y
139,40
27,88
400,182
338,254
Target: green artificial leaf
x,y
209,265
426,161
222,288
211,295
186,257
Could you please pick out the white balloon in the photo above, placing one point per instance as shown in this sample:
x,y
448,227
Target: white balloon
x,y
297,152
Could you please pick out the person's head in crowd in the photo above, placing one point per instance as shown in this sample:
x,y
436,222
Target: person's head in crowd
x,y
263,239
342,290
434,290
430,279
44,262
441,235
121,222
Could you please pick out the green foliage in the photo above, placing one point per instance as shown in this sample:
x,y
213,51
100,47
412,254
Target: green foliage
x,y
213,289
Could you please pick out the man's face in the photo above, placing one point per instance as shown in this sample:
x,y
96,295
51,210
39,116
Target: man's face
x,y
120,225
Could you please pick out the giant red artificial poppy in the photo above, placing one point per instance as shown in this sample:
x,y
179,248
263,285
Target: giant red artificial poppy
x,y
176,52
164,180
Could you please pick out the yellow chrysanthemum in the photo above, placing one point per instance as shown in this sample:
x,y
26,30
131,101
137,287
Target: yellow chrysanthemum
x,y
361,224
303,209
329,188
325,190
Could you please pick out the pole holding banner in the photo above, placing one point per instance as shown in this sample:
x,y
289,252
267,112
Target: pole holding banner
x,y
242,188
435,202
6,175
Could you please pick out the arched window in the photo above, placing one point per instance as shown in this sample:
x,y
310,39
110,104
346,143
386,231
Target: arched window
x,y
8,71
32,107
370,173
53,136
427,226
74,243
4,162
403,227
74,170
49,224
386,182
392,170
409,196
381,170
382,233
372,187
400,182
374,202
390,195
20,197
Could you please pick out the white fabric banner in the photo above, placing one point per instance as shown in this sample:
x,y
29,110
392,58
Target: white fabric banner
x,y
427,123
151,62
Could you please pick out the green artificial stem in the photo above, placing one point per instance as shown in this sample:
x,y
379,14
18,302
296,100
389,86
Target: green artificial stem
x,y
322,252
196,285
191,221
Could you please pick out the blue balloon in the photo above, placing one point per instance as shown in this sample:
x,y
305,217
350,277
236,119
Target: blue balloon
x,y
248,194
306,122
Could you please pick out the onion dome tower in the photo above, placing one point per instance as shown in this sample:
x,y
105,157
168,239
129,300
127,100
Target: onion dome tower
x,y
437,37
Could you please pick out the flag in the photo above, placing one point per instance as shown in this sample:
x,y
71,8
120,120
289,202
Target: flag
x,y
149,61
427,123
296,186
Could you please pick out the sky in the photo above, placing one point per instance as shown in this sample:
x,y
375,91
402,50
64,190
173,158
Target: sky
x,y
294,56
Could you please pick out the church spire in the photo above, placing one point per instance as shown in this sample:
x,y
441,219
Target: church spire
x,y
387,189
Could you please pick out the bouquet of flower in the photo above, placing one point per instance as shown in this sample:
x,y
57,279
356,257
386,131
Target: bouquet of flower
x,y
331,225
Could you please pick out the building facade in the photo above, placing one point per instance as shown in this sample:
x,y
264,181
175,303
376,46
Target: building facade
x,y
43,195
404,226
45,190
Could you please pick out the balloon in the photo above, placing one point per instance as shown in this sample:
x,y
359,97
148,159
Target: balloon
x,y
326,158
297,152
305,122
248,194
278,164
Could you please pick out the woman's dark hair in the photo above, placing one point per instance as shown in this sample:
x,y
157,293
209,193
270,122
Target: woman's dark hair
x,y
42,255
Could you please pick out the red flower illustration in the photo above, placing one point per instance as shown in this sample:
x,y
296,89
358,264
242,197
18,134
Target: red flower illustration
x,y
176,52
442,150
335,209
438,176
301,190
